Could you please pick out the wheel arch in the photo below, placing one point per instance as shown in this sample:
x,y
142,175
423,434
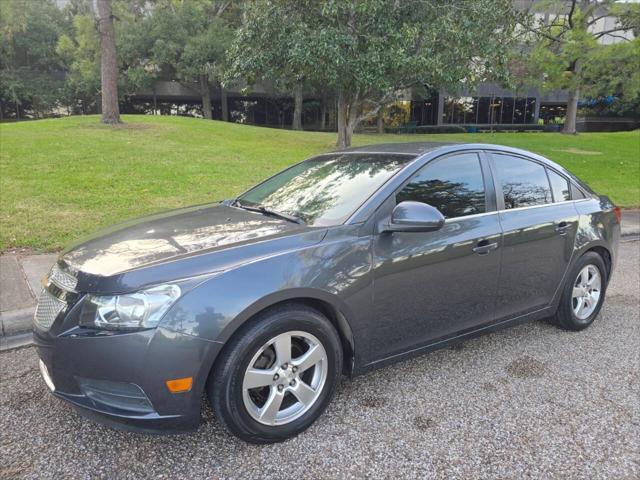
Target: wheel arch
x,y
327,304
605,254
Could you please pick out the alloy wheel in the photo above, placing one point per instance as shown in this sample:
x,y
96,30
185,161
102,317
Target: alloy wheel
x,y
586,292
284,378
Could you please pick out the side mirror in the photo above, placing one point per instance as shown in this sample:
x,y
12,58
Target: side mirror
x,y
415,217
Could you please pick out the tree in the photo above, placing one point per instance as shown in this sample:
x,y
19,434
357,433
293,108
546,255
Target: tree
x,y
192,38
79,51
371,51
29,65
271,47
108,64
568,52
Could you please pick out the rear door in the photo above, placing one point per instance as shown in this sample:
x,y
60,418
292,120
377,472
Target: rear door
x,y
539,223
432,285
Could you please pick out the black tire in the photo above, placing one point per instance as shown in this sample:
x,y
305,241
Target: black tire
x,y
224,387
565,316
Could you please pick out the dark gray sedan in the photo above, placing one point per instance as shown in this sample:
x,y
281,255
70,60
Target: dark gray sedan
x,y
340,264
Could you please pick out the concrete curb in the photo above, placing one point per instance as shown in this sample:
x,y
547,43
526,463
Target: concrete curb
x,y
16,321
16,341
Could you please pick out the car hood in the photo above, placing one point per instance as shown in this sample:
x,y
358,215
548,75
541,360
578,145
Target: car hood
x,y
172,235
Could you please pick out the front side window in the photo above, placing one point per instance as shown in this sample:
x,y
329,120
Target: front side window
x,y
453,185
559,186
325,190
524,183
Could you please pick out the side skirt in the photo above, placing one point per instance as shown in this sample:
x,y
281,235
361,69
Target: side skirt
x,y
456,338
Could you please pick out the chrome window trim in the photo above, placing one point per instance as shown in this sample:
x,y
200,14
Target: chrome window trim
x,y
475,215
544,205
464,217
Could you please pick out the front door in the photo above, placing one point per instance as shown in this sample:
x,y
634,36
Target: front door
x,y
432,285
539,225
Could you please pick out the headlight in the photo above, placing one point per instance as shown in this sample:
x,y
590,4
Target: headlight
x,y
132,311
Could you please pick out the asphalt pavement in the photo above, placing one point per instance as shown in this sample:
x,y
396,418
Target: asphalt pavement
x,y
527,402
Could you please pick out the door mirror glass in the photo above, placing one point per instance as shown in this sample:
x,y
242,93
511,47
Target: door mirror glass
x,y
413,216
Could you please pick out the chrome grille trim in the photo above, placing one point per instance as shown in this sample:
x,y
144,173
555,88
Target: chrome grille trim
x,y
63,279
48,309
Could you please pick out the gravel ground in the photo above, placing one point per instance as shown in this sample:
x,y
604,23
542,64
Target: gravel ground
x,y
528,402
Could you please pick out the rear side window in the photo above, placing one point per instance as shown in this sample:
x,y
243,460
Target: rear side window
x,y
576,193
453,185
524,183
559,186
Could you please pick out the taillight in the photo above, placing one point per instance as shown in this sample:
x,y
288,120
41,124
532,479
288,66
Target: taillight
x,y
618,213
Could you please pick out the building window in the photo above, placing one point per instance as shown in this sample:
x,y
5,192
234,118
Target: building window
x,y
519,110
483,109
530,110
507,110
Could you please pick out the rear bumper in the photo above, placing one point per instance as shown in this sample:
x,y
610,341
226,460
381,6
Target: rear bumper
x,y
119,379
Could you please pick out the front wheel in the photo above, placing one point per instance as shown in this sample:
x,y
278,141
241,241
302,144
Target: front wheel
x,y
583,294
276,375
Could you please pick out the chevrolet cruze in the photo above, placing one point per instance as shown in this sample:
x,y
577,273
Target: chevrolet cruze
x,y
340,264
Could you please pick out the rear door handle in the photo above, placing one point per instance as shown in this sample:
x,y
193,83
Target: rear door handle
x,y
484,246
562,227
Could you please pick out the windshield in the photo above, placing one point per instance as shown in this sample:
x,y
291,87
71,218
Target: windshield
x,y
325,190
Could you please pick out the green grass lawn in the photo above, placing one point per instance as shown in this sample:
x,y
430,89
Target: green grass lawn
x,y
62,178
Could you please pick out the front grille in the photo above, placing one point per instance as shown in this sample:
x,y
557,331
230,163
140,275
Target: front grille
x,y
48,309
62,279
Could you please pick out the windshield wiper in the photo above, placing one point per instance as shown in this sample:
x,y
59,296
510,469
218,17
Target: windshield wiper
x,y
268,211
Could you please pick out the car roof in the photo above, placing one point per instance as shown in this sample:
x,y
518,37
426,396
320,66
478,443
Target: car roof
x,y
412,148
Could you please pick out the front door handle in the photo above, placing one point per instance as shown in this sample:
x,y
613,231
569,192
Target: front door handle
x,y
562,227
484,246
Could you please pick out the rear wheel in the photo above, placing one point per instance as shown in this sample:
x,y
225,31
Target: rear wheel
x,y
277,375
583,293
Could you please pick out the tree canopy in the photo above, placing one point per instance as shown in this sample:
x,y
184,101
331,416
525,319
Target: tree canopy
x,y
370,50
567,51
28,59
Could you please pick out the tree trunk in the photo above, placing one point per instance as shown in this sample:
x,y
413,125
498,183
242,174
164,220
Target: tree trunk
x,y
347,119
342,122
380,120
206,97
572,104
323,114
572,112
224,103
155,101
109,63
297,107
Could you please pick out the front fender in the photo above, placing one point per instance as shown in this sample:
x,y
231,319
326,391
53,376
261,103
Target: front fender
x,y
335,272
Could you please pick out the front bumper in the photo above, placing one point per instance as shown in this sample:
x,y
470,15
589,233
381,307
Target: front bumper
x,y
119,378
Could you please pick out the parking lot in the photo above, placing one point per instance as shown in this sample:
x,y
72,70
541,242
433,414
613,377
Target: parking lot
x,y
531,401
